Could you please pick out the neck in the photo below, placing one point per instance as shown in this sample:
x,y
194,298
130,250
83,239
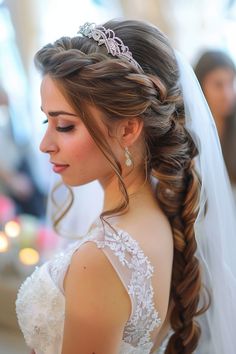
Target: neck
x,y
135,185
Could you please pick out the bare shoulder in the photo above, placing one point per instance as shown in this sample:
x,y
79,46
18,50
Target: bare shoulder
x,y
91,273
97,305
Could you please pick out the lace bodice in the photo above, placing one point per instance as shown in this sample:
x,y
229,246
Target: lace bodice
x,y
40,304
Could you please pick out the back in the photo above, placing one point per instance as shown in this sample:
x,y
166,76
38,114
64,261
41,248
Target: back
x,y
154,236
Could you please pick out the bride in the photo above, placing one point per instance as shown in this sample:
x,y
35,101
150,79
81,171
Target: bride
x,y
153,274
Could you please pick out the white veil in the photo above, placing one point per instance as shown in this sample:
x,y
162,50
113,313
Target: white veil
x,y
216,230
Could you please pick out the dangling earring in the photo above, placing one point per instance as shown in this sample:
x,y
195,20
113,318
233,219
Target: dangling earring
x,y
128,158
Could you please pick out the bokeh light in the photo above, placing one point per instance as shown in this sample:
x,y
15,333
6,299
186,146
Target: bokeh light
x,y
29,256
12,229
4,243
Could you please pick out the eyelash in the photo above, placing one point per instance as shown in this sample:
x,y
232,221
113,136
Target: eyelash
x,y
61,129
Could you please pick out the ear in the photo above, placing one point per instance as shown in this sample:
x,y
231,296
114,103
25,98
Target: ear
x,y
129,130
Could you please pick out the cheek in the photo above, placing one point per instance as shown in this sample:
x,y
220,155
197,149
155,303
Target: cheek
x,y
85,151
85,146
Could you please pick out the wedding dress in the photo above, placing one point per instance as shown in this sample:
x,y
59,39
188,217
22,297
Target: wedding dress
x,y
40,304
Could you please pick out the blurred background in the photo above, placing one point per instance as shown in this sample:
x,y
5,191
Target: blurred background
x,y
203,30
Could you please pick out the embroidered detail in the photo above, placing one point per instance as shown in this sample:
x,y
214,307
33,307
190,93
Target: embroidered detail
x,y
60,262
40,311
144,318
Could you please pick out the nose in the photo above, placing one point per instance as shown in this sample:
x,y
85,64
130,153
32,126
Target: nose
x,y
47,144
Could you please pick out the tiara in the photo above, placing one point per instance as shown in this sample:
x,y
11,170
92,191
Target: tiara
x,y
114,45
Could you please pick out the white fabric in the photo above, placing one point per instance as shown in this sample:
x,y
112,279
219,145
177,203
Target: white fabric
x,y
216,231
40,303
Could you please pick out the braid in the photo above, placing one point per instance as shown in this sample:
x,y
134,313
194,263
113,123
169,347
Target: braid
x,y
178,194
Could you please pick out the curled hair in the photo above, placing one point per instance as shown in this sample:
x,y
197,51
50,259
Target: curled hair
x,y
87,75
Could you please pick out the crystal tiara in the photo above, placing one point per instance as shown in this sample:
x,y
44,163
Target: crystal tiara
x,y
114,45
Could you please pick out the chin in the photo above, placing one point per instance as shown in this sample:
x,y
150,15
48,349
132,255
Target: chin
x,y
76,183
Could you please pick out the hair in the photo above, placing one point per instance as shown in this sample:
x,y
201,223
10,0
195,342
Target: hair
x,y
209,61
87,75
212,60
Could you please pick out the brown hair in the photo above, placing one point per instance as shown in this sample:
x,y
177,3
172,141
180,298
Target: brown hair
x,y
87,74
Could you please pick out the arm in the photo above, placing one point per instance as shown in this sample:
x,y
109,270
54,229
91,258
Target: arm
x,y
97,304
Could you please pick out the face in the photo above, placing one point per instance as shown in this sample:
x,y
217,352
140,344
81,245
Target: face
x,y
73,153
219,89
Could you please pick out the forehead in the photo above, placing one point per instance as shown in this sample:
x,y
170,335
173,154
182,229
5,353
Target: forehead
x,y
53,100
221,73
51,96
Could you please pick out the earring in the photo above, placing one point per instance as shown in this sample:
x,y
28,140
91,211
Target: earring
x,y
128,157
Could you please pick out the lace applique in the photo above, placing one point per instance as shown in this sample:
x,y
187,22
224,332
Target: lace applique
x,y
144,317
57,265
60,263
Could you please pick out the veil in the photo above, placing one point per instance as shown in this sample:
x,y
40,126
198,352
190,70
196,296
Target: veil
x,y
215,226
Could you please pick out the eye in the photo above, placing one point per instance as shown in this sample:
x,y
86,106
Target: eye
x,y
61,129
65,129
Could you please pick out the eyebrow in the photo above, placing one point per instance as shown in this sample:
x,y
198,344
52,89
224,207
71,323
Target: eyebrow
x,y
58,113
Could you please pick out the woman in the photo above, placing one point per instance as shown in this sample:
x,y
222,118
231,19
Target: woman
x,y
134,284
216,73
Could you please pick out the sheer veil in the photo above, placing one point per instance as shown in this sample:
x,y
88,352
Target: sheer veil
x,y
215,227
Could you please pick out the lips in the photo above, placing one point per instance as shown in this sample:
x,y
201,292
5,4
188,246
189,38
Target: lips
x,y
58,168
